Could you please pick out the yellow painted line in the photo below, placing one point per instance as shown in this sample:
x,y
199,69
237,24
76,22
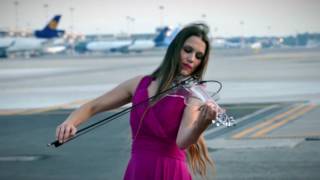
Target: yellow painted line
x,y
265,123
301,136
305,135
264,131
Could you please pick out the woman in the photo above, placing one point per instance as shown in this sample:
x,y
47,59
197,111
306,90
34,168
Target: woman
x,y
162,130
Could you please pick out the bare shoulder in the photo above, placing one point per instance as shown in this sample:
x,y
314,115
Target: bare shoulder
x,y
131,84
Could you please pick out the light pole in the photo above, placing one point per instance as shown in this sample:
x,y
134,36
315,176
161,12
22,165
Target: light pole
x,y
242,33
269,30
72,37
204,17
161,8
71,23
16,5
215,30
46,7
130,22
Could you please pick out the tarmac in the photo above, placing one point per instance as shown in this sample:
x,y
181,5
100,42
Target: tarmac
x,y
274,96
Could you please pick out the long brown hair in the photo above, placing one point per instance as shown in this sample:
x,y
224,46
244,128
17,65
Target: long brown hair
x,y
169,69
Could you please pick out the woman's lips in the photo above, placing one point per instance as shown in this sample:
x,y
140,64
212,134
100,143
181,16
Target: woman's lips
x,y
186,66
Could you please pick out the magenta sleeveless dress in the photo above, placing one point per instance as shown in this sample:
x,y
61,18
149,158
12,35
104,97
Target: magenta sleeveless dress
x,y
155,154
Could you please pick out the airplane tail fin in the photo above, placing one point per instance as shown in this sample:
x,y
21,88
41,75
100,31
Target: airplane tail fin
x,y
53,23
165,36
50,30
161,35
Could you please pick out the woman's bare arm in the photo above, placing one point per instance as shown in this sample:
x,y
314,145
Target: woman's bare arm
x,y
117,97
194,121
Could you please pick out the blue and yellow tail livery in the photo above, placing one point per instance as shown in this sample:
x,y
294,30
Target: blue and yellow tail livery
x,y
50,30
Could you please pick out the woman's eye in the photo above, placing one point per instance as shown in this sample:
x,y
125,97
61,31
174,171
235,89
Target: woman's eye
x,y
199,56
187,49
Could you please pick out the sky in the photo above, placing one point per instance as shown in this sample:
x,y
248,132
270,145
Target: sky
x,y
225,17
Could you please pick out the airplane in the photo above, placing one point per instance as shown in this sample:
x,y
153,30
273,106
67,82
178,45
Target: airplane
x,y
163,39
50,30
225,43
31,45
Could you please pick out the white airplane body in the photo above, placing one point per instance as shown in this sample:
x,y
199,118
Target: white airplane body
x,y
140,45
54,49
25,44
11,45
223,43
6,42
164,38
107,45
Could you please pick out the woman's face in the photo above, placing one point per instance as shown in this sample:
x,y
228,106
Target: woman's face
x,y
191,55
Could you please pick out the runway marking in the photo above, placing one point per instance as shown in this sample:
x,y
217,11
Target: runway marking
x,y
265,123
300,112
300,136
248,116
22,158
